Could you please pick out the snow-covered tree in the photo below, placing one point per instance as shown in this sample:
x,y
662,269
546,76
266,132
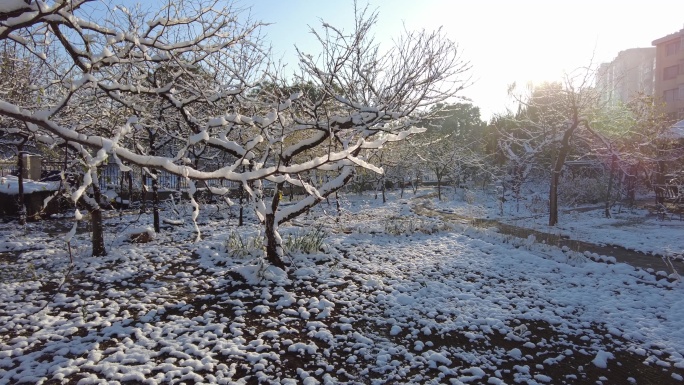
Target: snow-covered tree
x,y
18,68
633,138
520,149
126,77
551,117
211,61
452,148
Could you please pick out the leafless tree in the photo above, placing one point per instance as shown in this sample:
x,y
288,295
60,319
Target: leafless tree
x,y
550,118
211,62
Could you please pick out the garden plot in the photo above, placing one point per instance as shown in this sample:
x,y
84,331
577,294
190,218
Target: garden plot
x,y
634,228
421,302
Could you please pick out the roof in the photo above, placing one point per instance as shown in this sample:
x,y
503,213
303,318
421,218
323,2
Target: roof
x,y
9,185
669,37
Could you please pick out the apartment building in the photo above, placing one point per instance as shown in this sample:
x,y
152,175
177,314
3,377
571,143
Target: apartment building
x,y
632,72
669,81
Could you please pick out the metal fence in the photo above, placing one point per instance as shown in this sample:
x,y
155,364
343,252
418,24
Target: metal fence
x,y
110,177
7,167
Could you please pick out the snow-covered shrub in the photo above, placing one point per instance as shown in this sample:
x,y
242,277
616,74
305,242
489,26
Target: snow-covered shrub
x,y
574,257
469,196
238,247
401,226
572,191
398,227
309,241
9,273
537,204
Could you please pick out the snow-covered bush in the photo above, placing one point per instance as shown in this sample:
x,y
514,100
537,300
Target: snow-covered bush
x,y
537,204
469,196
239,247
309,241
573,191
411,225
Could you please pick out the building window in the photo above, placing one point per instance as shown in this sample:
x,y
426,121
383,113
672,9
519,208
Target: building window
x,y
670,72
670,95
672,48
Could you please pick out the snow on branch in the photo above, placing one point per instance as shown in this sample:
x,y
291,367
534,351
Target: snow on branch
x,y
200,85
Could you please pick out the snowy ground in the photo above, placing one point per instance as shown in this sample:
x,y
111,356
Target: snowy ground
x,y
633,228
391,298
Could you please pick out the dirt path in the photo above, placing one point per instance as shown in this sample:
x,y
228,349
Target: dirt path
x,y
621,254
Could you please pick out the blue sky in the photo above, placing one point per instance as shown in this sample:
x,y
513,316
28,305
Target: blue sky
x,y
505,41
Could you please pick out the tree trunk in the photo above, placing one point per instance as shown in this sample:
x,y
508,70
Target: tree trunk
x,y
143,191
129,175
122,177
553,192
631,184
516,185
610,185
155,184
439,187
96,221
558,167
502,198
242,197
20,180
274,248
155,201
274,244
661,166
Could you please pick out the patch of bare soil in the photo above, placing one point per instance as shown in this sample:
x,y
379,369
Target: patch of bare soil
x,y
172,310
549,355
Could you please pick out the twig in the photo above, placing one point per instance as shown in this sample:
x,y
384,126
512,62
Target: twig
x,y
57,290
668,262
71,257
